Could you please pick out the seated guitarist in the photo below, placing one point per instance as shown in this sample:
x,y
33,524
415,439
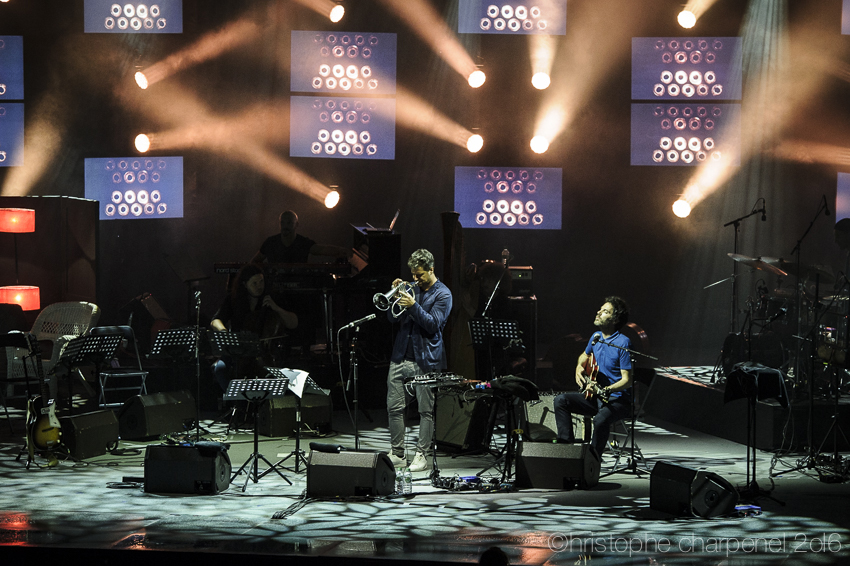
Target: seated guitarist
x,y
603,394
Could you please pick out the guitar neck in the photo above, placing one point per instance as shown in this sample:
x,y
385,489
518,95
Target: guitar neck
x,y
35,353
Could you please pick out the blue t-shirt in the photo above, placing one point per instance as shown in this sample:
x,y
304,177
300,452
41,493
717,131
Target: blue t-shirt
x,y
611,360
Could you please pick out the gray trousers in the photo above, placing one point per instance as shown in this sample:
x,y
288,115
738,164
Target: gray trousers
x,y
398,397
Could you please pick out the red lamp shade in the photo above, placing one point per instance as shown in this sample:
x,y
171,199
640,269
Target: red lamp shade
x,y
18,220
24,295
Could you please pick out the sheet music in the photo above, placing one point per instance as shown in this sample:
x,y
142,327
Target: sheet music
x,y
297,380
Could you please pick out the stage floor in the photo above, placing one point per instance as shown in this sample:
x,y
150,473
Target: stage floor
x,y
84,508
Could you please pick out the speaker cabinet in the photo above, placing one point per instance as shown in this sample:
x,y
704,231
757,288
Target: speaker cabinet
x,y
349,474
202,468
89,434
682,491
556,466
463,426
146,416
539,421
277,417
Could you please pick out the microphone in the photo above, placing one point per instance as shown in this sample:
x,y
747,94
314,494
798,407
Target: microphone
x,y
825,206
359,321
330,448
596,339
506,257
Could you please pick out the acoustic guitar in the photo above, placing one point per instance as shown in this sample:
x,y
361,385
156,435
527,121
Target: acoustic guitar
x,y
590,371
42,425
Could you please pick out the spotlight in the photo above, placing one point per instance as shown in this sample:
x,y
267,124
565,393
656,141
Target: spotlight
x,y
540,81
539,144
141,80
332,199
687,19
337,12
474,143
476,79
681,208
143,143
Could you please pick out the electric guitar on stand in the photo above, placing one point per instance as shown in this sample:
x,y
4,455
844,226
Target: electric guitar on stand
x,y
42,425
590,370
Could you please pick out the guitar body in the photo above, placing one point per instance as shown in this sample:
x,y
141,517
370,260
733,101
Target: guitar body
x,y
43,429
590,371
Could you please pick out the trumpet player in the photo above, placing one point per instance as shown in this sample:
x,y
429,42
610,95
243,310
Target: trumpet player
x,y
418,349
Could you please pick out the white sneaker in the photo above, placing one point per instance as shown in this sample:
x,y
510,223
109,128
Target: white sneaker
x,y
397,461
420,463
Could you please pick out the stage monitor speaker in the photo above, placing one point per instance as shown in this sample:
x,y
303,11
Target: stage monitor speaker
x,y
89,434
146,416
277,417
349,474
556,466
683,491
539,421
202,468
463,426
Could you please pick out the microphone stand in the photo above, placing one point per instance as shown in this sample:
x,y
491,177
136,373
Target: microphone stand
x,y
733,320
198,365
352,358
632,466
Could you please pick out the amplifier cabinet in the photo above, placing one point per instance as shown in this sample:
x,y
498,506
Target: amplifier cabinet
x,y
539,421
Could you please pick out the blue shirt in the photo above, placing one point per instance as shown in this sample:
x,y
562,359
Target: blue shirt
x,y
423,324
611,360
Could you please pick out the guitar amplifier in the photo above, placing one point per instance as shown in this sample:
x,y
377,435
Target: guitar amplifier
x,y
539,421
461,425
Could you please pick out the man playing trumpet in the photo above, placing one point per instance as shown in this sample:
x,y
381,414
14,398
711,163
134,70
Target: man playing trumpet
x,y
418,350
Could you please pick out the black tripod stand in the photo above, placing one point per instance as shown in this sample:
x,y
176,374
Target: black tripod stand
x,y
257,392
299,382
234,346
181,346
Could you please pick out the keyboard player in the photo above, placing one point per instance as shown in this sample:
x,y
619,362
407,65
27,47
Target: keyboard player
x,y
291,247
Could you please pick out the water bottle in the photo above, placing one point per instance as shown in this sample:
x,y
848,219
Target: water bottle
x,y
408,481
399,483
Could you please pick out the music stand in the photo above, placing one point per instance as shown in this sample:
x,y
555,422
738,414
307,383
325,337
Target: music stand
x,y
488,332
299,382
754,382
181,345
175,344
257,392
235,345
88,350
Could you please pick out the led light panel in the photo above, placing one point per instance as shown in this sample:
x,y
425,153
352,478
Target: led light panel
x,y
136,188
845,17
686,68
347,128
11,67
487,16
109,16
343,62
11,134
842,197
685,134
509,197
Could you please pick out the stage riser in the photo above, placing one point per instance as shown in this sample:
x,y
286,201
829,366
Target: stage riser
x,y
700,407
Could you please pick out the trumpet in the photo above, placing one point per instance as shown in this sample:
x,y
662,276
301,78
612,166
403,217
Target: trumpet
x,y
385,301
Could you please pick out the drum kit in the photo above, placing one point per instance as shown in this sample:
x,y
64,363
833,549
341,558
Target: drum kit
x,y
793,329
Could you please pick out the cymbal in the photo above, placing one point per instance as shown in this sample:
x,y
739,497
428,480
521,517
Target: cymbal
x,y
762,263
805,271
